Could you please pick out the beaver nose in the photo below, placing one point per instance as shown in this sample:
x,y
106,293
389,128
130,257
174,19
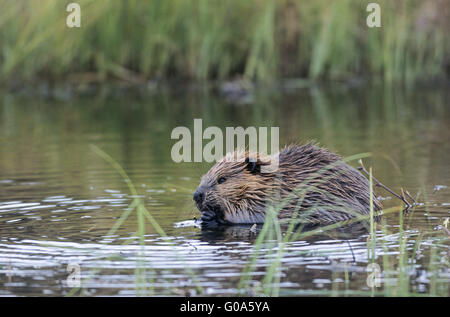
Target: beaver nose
x,y
198,196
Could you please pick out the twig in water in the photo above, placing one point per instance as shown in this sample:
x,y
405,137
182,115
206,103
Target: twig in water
x,y
410,197
377,183
351,250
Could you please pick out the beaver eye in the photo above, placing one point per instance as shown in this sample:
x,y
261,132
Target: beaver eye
x,y
221,180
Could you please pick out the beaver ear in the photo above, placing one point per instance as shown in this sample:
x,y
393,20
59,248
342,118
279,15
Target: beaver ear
x,y
251,165
254,166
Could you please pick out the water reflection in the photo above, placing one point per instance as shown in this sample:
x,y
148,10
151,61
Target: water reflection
x,y
58,199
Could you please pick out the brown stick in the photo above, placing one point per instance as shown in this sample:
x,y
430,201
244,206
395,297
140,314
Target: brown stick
x,y
403,195
377,183
410,197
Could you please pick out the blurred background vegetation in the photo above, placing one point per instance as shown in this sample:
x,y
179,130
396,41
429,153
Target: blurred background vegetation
x,y
261,40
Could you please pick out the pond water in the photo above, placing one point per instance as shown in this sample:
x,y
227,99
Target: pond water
x,y
59,199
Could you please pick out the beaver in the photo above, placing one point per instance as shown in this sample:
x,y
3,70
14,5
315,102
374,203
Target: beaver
x,y
311,183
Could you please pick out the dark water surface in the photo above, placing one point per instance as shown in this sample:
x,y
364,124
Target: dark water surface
x,y
59,199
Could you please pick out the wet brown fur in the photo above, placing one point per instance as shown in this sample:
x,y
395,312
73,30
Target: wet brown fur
x,y
310,180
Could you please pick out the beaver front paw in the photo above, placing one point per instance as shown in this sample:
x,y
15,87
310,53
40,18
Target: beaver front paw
x,y
208,215
213,217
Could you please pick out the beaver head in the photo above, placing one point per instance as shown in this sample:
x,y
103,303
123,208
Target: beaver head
x,y
234,190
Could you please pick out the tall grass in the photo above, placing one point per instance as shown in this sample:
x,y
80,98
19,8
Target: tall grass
x,y
143,286
394,278
212,39
274,237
